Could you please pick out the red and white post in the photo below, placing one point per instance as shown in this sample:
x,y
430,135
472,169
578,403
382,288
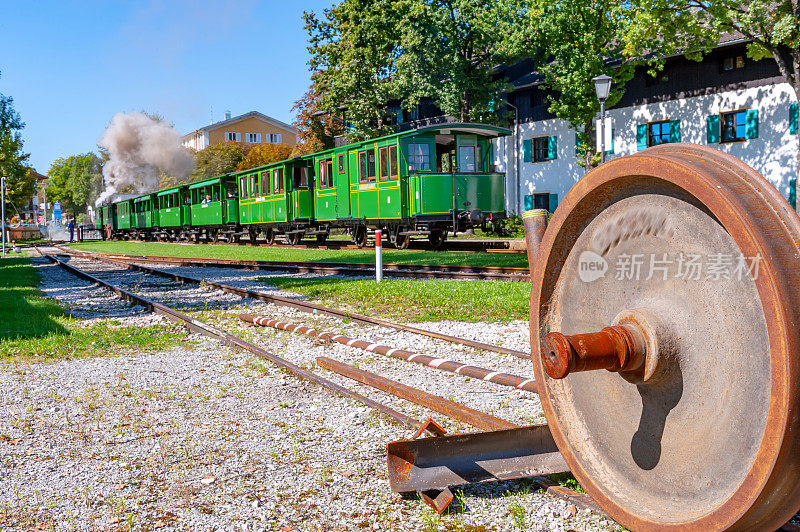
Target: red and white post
x,y
378,256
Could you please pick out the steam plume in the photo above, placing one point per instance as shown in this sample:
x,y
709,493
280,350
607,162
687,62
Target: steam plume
x,y
140,149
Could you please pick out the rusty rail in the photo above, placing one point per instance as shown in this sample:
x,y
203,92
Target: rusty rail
x,y
432,271
476,418
310,307
476,372
234,341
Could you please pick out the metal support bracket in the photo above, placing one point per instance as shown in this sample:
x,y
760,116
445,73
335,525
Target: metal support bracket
x,y
431,465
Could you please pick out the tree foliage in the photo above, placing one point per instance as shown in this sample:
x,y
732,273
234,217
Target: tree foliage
x,y
20,184
353,47
369,54
574,41
262,154
449,48
75,182
217,159
316,130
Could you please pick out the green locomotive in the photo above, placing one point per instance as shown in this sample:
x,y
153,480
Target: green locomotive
x,y
421,182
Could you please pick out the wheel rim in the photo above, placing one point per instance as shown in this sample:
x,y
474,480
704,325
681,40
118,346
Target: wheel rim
x,y
670,454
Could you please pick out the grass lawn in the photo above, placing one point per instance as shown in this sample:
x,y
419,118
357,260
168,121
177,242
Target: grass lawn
x,y
32,326
416,300
244,252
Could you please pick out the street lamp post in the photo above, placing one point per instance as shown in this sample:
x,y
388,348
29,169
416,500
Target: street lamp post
x,y
602,86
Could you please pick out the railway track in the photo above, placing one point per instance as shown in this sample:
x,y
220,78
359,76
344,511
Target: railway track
x,y
461,246
298,304
489,468
412,271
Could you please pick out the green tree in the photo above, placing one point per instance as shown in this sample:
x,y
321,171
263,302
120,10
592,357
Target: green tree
x,y
573,41
353,47
19,182
449,48
316,130
262,154
217,159
693,26
75,182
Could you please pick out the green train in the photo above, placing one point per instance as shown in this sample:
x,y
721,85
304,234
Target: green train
x,y
422,182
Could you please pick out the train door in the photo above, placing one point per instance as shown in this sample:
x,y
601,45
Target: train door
x,y
352,182
342,186
389,184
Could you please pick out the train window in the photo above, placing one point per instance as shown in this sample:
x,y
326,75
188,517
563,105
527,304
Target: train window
x,y
466,158
252,190
419,157
383,164
341,163
300,177
362,167
215,193
371,165
277,181
392,162
263,179
243,187
326,173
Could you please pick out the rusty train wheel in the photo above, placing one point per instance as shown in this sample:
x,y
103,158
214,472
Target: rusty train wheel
x,y
675,397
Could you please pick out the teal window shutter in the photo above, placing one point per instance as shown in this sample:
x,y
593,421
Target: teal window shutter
x,y
611,149
793,192
712,129
641,136
527,150
793,119
528,202
577,145
552,148
751,129
675,131
552,202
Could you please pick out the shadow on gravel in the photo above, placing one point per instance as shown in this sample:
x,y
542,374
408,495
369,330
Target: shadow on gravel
x,y
24,313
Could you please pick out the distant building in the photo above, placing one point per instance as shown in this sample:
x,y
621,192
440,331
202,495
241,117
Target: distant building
x,y
249,128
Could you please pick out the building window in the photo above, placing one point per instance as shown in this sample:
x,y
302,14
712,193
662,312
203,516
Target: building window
x,y
658,133
231,136
254,138
733,62
419,157
275,139
734,126
541,150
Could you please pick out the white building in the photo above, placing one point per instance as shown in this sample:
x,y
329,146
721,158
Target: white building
x,y
727,101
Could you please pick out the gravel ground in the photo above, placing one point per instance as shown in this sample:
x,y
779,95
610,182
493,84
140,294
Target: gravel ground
x,y
207,438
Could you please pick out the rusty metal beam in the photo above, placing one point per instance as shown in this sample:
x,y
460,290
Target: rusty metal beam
x,y
442,461
476,372
476,418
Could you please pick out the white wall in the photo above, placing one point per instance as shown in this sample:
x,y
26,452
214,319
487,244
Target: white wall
x,y
773,153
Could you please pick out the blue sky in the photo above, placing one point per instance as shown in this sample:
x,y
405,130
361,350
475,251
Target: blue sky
x,y
70,66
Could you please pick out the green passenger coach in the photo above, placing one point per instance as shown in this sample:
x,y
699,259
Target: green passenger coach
x,y
421,182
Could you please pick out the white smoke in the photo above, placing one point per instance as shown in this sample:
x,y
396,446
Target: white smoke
x,y
140,149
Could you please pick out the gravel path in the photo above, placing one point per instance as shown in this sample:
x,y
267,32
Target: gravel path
x,y
208,438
